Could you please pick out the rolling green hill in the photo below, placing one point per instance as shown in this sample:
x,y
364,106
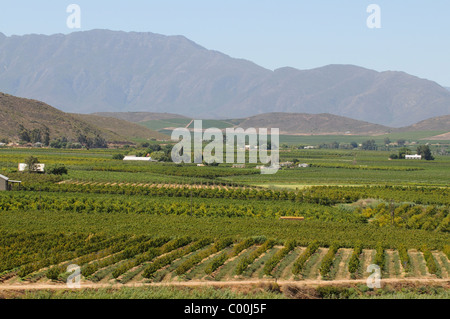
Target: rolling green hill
x,y
140,116
120,130
297,125
316,124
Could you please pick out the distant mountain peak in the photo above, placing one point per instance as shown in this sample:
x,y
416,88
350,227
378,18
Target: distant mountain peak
x,y
115,71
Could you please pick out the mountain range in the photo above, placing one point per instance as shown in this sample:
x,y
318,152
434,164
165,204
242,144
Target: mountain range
x,y
288,123
19,114
114,71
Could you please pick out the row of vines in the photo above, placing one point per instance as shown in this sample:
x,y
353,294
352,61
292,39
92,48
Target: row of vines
x,y
99,257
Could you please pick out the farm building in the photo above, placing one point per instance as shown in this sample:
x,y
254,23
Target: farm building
x,y
418,157
38,167
5,183
286,164
303,165
262,167
135,158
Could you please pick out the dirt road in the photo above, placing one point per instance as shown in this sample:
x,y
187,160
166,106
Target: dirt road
x,y
219,284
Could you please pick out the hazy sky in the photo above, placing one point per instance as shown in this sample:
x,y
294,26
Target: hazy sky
x,y
414,35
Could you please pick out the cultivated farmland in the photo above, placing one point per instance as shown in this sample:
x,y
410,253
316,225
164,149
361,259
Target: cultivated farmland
x,y
151,224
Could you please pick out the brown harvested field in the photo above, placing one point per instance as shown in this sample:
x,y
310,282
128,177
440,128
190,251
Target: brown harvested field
x,y
442,137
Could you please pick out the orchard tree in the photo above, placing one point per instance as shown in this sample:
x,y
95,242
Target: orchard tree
x,y
369,145
31,164
425,151
403,151
401,142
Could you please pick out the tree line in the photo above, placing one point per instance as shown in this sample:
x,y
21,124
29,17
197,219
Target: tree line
x,y
42,135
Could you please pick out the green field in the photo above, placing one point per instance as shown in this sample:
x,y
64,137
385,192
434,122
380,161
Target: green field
x,y
318,139
415,136
146,223
159,125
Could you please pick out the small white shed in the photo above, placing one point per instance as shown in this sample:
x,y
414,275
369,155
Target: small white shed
x,y
4,183
38,167
414,157
135,158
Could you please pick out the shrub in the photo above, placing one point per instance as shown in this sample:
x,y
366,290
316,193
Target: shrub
x,y
355,261
431,263
327,261
380,255
447,250
58,170
404,257
393,156
274,261
118,157
53,273
303,258
242,266
216,263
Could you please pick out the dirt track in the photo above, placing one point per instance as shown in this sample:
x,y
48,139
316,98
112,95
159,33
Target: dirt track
x,y
312,283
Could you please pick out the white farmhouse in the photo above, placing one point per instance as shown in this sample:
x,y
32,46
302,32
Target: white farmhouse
x,y
37,167
135,158
416,157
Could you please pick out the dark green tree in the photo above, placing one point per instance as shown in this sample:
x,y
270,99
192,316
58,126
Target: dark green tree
x,y
401,142
403,151
425,151
31,164
369,145
36,136
24,134
46,139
